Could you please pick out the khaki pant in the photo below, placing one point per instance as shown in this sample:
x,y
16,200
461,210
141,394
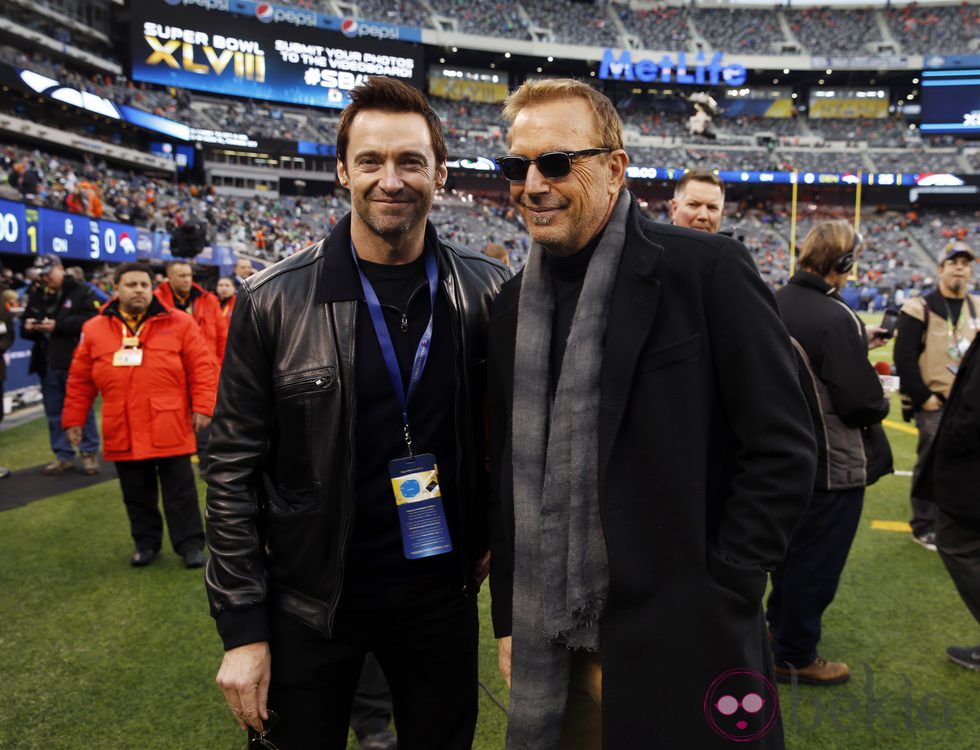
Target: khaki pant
x,y
582,726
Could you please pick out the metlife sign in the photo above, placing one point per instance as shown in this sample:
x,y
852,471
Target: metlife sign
x,y
352,28
711,72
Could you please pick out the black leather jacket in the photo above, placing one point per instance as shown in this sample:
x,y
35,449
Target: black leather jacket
x,y
280,500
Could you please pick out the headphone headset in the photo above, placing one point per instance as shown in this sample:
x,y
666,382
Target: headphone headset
x,y
845,263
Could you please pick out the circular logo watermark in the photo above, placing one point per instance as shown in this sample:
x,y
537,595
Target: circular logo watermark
x,y
741,705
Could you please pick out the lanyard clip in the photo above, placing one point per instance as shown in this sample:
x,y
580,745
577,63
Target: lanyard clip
x,y
408,441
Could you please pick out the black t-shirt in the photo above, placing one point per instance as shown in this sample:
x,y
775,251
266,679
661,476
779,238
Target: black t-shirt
x,y
567,275
375,555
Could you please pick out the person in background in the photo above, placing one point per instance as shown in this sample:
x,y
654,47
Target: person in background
x,y
158,381
371,713
847,404
6,341
243,269
949,478
498,252
699,201
931,336
225,291
79,275
57,307
181,292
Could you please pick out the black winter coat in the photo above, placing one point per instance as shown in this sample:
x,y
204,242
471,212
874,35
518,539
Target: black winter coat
x,y
6,339
951,473
70,307
280,502
706,462
845,396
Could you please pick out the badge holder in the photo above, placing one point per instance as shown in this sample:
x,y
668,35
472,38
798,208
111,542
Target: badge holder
x,y
130,355
421,515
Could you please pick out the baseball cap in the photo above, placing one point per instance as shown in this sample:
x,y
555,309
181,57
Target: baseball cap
x,y
45,263
953,249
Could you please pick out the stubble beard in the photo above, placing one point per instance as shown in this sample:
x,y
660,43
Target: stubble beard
x,y
388,230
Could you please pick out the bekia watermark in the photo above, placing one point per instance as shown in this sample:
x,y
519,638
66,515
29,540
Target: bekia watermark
x,y
742,705
847,710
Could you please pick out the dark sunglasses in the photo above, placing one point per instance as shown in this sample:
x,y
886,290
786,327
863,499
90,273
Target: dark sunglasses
x,y
554,165
257,739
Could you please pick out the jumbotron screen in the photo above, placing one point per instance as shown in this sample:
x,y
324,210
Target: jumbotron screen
x,y
212,50
951,101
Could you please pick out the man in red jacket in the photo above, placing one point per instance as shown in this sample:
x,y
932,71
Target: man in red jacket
x,y
180,292
158,383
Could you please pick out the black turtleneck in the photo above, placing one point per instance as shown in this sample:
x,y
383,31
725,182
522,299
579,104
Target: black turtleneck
x,y
567,276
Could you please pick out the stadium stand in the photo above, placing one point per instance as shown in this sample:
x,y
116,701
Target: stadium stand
x,y
931,29
500,18
738,30
574,23
826,31
658,28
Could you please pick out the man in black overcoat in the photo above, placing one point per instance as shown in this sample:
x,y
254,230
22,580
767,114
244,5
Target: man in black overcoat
x,y
651,452
949,479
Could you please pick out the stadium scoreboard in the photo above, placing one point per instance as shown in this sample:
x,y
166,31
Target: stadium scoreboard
x,y
951,101
28,230
223,53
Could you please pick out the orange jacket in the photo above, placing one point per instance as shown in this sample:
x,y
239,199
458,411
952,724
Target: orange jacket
x,y
146,410
228,309
207,314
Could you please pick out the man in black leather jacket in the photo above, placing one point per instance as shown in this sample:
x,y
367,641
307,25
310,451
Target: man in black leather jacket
x,y
312,562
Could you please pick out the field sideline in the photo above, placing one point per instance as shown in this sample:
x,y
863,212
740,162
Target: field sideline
x,y
95,654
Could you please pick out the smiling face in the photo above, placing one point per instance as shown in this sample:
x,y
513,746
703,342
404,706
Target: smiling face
x,y
392,174
563,214
698,206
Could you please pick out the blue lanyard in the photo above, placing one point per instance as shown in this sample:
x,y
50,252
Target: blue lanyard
x,y
388,349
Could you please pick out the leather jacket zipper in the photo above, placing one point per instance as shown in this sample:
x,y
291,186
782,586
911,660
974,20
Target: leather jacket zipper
x,y
454,325
403,314
349,515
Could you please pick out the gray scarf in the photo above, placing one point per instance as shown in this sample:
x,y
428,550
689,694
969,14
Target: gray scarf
x,y
561,571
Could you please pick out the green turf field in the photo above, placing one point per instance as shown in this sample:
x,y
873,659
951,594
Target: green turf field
x,y
95,654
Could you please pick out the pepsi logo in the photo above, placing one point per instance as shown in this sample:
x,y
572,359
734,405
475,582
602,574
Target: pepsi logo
x,y
348,27
264,12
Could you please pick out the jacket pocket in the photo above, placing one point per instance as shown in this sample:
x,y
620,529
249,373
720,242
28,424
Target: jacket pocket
x,y
170,421
303,383
306,403
115,427
289,501
672,354
747,581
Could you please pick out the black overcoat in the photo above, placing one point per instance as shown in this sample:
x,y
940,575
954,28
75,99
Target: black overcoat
x,y
706,463
951,470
